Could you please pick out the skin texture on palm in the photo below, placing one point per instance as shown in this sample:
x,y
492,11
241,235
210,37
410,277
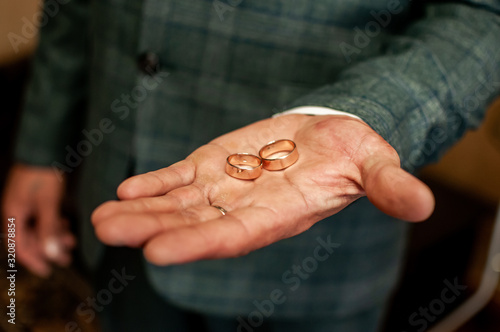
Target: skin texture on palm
x,y
168,212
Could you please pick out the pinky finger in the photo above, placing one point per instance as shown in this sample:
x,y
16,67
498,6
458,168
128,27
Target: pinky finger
x,y
225,237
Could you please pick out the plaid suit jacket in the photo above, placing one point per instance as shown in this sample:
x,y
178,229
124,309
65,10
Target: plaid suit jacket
x,y
419,73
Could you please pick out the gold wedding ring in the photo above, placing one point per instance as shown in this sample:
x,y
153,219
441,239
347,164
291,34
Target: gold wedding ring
x,y
278,155
221,209
244,166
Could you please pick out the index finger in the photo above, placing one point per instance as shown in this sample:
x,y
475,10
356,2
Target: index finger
x,y
157,182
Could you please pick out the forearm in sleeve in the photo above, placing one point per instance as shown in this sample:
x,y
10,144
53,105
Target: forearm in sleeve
x,y
432,83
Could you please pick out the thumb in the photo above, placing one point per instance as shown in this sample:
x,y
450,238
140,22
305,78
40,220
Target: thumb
x,y
395,191
50,227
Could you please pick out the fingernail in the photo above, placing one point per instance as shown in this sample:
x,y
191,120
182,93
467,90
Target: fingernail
x,y
52,248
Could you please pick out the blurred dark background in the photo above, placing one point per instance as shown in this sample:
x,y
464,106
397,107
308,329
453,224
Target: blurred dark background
x,y
451,245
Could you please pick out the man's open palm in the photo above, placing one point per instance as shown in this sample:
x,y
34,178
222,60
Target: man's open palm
x,y
170,212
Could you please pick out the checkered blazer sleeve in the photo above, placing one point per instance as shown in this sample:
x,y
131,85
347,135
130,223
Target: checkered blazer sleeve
x,y
433,82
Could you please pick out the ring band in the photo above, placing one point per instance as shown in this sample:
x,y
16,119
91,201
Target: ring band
x,y
244,166
278,155
221,209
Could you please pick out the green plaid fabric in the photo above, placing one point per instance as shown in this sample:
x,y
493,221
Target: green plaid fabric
x,y
420,73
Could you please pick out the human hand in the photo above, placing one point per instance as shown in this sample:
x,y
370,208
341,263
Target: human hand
x,y
33,197
169,212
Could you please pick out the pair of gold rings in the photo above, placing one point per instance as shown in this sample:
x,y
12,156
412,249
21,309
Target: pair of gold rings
x,y
274,156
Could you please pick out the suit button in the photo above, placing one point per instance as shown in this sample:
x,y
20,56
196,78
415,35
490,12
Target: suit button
x,y
149,63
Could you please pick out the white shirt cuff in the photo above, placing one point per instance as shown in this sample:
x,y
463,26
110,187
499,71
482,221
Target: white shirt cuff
x,y
315,110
